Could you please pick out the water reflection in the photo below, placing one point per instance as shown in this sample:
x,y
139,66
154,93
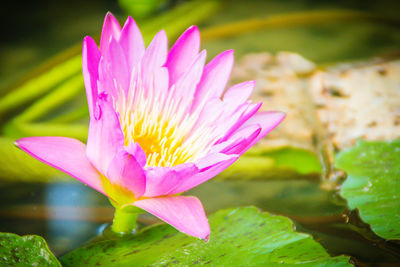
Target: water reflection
x,y
71,218
68,215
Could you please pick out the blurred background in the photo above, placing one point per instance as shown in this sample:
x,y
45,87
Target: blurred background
x,y
33,31
41,93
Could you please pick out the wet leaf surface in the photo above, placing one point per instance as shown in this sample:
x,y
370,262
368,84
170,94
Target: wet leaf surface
x,y
373,184
29,250
239,237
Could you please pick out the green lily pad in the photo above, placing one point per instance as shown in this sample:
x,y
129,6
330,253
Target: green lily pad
x,y
239,237
373,184
28,250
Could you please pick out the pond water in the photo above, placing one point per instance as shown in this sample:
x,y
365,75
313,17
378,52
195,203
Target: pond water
x,y
68,215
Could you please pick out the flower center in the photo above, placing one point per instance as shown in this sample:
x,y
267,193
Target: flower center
x,y
159,122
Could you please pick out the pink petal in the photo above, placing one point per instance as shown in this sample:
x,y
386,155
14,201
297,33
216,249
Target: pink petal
x,y
131,41
237,95
106,83
156,52
187,83
135,150
90,63
154,84
185,213
105,137
115,58
161,181
160,81
111,30
183,53
125,171
212,160
240,141
268,120
65,154
215,76
209,167
237,119
225,122
153,60
211,112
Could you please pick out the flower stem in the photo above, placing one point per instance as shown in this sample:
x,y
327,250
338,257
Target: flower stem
x,y
124,222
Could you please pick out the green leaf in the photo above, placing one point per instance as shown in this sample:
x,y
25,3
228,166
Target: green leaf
x,y
373,184
28,250
239,237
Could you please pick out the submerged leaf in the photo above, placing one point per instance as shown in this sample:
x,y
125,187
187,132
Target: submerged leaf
x,y
373,184
28,250
239,237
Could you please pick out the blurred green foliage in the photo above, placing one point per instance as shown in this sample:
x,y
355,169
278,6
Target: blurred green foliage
x,y
52,100
140,8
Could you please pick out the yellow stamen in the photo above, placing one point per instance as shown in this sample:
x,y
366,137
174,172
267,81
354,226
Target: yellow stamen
x,y
161,125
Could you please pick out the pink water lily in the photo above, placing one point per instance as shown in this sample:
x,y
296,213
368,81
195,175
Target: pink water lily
x,y
161,123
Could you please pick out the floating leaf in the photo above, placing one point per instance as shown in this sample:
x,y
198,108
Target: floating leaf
x,y
239,237
28,250
373,184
